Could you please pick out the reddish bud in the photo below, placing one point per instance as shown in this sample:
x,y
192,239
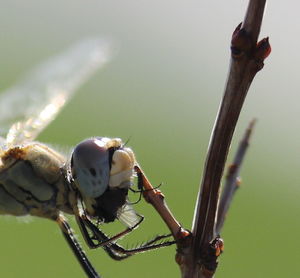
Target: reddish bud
x,y
182,233
263,49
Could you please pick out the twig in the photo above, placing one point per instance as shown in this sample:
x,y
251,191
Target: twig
x,y
232,178
157,200
246,60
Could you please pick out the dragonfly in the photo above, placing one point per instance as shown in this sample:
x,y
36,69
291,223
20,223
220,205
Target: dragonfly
x,y
92,184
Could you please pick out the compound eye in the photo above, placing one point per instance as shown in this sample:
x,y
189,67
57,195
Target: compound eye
x,y
90,167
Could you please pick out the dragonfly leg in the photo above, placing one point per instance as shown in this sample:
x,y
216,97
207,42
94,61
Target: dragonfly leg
x,y
101,237
87,223
76,248
120,253
114,250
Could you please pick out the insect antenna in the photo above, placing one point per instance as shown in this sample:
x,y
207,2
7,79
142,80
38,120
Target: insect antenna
x,y
127,141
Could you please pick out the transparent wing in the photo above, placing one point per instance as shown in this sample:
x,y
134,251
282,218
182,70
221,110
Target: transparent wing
x,y
26,109
128,216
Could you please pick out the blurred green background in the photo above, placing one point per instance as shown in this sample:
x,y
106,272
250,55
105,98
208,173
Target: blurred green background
x,y
162,90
